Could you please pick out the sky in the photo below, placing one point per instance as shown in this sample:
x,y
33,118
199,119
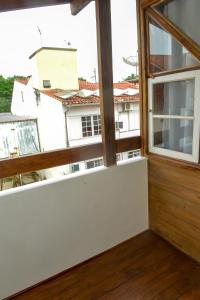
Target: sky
x,y
20,37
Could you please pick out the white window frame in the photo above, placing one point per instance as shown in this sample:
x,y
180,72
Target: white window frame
x,y
194,157
92,125
73,166
94,161
119,125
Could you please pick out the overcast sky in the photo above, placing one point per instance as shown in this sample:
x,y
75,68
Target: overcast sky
x,y
20,37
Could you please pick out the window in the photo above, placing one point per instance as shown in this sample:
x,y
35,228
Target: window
x,y
86,126
174,115
97,124
46,84
134,153
118,125
91,125
75,168
94,163
165,52
184,14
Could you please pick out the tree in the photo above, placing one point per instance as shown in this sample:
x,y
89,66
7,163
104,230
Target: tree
x,y
81,78
6,89
131,77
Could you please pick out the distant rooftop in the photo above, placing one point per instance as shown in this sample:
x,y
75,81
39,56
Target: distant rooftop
x,y
88,93
51,48
9,118
23,81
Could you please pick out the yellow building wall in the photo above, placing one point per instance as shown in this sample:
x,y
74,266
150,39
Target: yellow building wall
x,y
58,66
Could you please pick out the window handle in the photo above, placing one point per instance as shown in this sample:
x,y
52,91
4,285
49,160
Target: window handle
x,y
150,110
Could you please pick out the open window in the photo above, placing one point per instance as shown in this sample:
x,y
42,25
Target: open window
x,y
173,71
183,14
165,53
174,115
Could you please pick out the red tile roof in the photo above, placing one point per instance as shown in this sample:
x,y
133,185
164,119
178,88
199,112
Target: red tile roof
x,y
94,86
88,85
126,85
75,100
23,81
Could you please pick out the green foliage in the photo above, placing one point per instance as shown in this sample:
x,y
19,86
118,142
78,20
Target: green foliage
x,y
81,78
6,88
131,77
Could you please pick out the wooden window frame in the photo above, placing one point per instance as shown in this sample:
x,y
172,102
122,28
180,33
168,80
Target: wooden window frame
x,y
166,72
145,9
109,146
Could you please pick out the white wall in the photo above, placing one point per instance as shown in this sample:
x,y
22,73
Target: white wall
x,y
26,105
50,226
130,121
51,123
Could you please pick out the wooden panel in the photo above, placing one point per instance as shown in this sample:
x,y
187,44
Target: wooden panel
x,y
50,159
174,186
174,201
104,43
14,166
182,38
136,269
78,5
128,144
6,5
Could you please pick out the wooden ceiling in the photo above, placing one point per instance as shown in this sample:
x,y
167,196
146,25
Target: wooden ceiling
x,y
8,5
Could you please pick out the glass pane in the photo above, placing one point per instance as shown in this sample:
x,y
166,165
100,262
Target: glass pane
x,y
184,14
173,134
125,68
174,98
165,52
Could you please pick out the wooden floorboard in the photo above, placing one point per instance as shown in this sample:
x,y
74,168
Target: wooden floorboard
x,y
145,267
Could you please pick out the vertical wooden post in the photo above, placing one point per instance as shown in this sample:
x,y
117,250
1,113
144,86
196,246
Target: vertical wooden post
x,y
104,43
142,46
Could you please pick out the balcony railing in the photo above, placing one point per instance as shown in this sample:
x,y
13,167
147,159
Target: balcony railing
x,y
19,165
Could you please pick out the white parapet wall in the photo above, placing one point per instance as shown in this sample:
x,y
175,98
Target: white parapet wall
x,y
50,226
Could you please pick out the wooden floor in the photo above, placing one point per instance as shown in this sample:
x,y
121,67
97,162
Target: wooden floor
x,y
145,267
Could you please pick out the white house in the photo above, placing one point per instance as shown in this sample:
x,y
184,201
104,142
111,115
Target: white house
x,y
68,117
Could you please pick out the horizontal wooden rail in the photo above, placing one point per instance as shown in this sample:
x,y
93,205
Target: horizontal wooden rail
x,y
45,160
128,144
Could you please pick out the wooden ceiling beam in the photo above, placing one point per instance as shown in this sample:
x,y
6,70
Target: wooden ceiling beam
x,y
78,5
8,5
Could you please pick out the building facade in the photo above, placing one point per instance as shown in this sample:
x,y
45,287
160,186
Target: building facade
x,y
69,116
